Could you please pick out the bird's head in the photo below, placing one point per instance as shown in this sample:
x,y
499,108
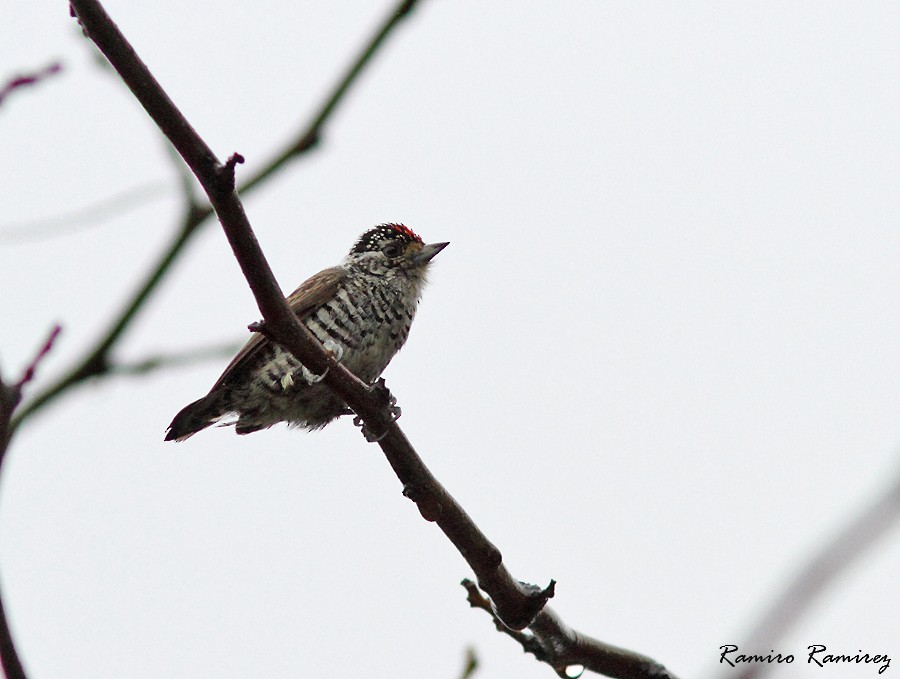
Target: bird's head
x,y
393,248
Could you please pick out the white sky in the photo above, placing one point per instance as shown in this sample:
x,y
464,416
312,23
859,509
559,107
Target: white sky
x,y
659,362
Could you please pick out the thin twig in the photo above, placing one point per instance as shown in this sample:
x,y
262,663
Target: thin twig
x,y
30,370
20,81
84,217
96,362
527,641
518,605
174,359
11,394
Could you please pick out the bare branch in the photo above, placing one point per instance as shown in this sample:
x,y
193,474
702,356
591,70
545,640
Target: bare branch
x,y
12,666
20,81
833,559
88,216
10,395
518,605
96,362
174,359
568,652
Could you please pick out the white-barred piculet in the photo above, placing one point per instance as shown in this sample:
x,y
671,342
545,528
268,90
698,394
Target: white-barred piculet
x,y
361,311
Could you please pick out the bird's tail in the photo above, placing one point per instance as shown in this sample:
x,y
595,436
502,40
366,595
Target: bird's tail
x,y
194,417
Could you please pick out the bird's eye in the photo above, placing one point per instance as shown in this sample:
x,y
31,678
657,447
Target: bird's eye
x,y
392,250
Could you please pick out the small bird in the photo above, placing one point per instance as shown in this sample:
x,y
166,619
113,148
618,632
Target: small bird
x,y
360,311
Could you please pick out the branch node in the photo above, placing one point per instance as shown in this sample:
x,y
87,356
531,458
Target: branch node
x,y
520,611
529,642
493,558
225,173
428,505
307,142
263,329
473,595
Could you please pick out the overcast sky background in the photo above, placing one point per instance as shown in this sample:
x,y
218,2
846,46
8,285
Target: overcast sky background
x,y
659,362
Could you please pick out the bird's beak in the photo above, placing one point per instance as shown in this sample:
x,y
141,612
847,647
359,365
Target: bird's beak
x,y
428,252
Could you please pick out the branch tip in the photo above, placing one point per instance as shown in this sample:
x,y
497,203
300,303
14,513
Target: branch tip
x,y
26,79
29,372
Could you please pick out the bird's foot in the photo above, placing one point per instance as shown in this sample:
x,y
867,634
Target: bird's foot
x,y
390,401
335,350
367,433
381,390
310,377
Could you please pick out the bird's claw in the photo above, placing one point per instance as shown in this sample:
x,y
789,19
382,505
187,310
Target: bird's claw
x,y
381,390
335,350
310,377
371,436
390,402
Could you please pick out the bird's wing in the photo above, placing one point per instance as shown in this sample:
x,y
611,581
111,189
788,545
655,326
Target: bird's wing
x,y
316,290
313,292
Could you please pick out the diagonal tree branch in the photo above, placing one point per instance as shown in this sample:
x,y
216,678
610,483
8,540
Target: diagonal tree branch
x,y
517,605
95,362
